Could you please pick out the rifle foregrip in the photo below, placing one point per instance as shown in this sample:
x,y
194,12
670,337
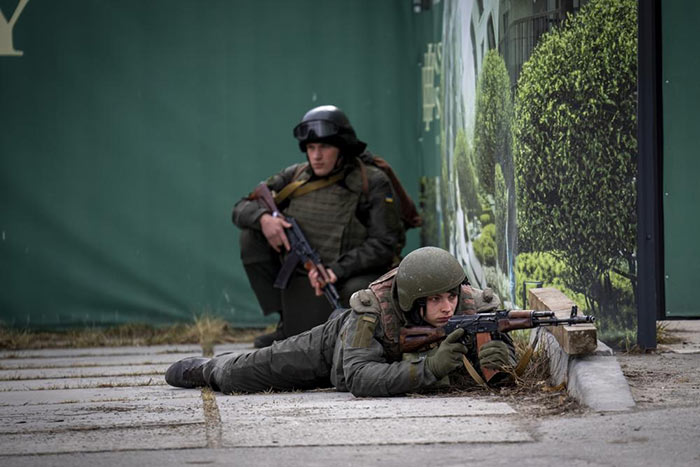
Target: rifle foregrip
x,y
481,339
417,337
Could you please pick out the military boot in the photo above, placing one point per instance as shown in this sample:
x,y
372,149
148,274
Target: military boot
x,y
187,373
266,340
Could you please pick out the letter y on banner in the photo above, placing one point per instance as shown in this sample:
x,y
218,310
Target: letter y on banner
x,y
6,28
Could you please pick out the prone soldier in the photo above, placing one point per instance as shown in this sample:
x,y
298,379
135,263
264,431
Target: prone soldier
x,y
358,350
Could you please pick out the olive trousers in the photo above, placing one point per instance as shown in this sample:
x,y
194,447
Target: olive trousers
x,y
303,362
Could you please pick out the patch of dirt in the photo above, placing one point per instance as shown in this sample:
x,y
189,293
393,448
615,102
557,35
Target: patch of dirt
x,y
662,379
534,401
544,403
529,394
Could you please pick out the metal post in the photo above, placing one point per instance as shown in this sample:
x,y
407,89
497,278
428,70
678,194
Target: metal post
x,y
649,214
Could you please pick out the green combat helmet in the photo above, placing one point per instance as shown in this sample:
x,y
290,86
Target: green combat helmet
x,y
424,272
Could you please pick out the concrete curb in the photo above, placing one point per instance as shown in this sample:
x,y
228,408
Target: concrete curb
x,y
595,380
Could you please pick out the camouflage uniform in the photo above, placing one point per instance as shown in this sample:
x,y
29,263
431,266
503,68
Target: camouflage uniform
x,y
354,224
356,352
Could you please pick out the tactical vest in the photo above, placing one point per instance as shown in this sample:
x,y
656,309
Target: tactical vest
x,y
393,319
327,217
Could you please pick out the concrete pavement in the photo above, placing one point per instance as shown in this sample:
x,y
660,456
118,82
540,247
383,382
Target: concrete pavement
x,y
110,406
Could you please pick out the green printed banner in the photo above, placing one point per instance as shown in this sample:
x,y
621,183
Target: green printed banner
x,y
130,128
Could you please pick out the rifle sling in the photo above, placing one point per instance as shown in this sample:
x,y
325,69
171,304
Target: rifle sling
x,y
301,187
287,190
473,373
527,355
524,360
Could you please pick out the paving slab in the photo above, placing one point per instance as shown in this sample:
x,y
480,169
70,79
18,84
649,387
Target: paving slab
x,y
63,396
101,440
75,383
342,405
95,415
371,431
88,351
333,418
94,360
158,425
61,373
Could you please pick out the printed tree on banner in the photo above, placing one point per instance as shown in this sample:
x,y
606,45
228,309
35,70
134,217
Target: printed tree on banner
x,y
492,133
575,147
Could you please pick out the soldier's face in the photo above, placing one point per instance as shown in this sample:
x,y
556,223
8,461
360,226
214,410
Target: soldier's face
x,y
439,308
322,157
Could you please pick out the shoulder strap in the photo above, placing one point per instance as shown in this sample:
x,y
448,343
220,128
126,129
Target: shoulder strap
x,y
293,185
409,213
288,190
300,187
363,174
316,184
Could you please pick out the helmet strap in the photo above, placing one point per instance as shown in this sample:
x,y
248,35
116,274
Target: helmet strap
x,y
417,312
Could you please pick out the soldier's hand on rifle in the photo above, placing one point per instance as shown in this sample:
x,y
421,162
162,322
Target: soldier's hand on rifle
x,y
448,356
495,355
273,229
317,282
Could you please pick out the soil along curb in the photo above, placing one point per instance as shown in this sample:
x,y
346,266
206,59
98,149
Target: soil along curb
x,y
591,374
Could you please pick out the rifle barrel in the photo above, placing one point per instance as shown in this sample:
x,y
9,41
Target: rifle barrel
x,y
574,320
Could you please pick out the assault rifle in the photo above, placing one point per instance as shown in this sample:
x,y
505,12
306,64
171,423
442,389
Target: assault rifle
x,y
481,325
300,250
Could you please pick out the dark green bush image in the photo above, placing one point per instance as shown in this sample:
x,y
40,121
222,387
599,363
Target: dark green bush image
x,y
492,126
501,200
575,152
544,267
486,218
446,202
485,176
466,175
485,246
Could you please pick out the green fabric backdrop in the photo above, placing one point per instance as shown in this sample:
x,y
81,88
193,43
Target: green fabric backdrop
x,y
130,128
681,164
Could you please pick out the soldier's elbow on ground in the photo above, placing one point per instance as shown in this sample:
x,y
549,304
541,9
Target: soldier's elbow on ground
x,y
362,387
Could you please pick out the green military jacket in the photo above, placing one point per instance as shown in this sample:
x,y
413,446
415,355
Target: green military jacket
x,y
355,229
366,359
360,361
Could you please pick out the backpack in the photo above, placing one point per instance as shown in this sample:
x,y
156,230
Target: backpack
x,y
409,213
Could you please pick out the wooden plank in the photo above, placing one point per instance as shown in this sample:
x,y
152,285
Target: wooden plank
x,y
578,339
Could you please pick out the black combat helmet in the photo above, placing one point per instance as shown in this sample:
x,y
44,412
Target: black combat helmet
x,y
424,272
328,124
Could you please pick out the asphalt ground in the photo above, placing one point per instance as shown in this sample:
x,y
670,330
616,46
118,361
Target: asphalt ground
x,y
111,406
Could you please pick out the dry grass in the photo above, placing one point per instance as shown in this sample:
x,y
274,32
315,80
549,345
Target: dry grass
x,y
205,330
628,344
529,392
664,336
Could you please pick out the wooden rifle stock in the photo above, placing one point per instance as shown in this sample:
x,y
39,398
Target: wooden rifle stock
x,y
418,337
262,193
